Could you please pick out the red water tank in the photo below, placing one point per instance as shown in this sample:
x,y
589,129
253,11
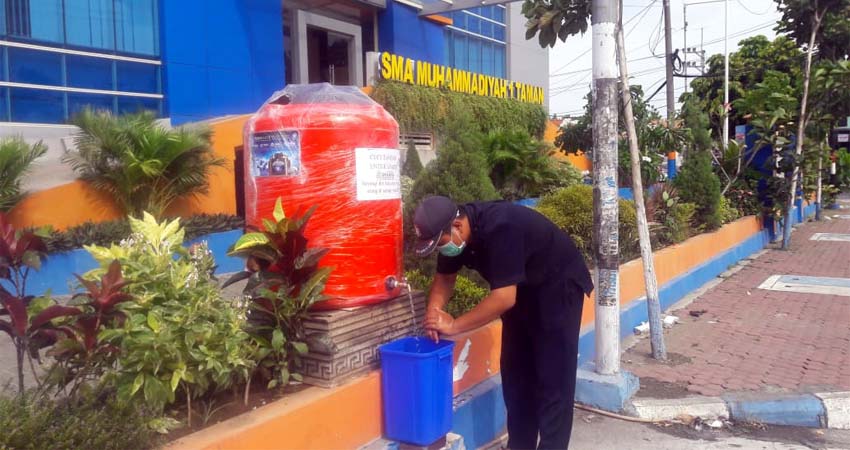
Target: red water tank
x,y
334,147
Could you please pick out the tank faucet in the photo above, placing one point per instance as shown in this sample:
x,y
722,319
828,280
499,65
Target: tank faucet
x,y
392,283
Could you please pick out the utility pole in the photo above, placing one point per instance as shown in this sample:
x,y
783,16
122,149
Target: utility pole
x,y
668,56
685,55
604,14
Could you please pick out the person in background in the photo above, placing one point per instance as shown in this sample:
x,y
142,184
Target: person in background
x,y
538,280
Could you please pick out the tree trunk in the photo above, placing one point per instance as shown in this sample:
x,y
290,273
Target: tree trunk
x,y
605,194
19,348
801,131
654,306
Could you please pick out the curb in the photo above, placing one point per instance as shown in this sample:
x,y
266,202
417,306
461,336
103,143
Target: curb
x,y
818,410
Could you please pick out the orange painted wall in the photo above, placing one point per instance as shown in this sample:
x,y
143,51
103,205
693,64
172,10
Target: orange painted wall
x,y
342,418
675,260
580,161
76,203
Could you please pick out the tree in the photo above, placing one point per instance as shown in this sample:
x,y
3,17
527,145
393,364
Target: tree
x,y
696,120
747,67
578,135
659,350
769,106
803,21
16,158
553,20
141,164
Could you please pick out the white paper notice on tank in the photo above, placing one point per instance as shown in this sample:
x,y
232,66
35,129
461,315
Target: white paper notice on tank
x,y
378,173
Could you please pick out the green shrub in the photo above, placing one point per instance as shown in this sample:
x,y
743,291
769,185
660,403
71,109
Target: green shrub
x,y
459,172
571,209
412,164
16,157
681,220
418,108
727,212
467,293
91,421
180,334
670,219
142,165
112,232
697,184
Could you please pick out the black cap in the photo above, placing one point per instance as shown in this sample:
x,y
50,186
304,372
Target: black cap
x,y
432,217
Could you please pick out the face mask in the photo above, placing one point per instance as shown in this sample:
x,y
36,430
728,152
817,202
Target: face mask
x,y
451,249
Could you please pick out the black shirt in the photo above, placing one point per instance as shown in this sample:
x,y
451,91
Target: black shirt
x,y
512,244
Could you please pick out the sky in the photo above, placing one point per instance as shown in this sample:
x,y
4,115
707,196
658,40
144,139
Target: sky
x,y
570,61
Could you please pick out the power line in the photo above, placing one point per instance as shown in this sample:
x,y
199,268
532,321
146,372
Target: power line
x,y
711,42
753,12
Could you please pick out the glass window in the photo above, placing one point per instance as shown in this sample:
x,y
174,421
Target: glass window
x,y
77,102
129,105
473,24
44,19
87,72
90,23
474,55
4,104
499,61
459,19
499,14
35,66
137,77
460,52
499,33
487,28
2,18
487,58
136,26
487,11
37,106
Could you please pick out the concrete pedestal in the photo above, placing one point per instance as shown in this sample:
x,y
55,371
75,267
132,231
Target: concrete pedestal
x,y
344,343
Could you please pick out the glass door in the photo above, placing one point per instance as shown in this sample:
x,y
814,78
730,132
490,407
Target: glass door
x,y
328,57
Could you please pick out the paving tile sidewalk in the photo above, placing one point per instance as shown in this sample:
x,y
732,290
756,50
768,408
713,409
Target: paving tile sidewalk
x,y
753,340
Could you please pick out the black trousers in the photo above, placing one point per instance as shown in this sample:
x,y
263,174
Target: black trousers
x,y
539,358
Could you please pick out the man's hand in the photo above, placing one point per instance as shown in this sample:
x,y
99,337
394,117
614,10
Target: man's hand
x,y
438,322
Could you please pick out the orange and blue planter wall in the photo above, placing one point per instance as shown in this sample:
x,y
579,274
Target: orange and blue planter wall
x,y
301,421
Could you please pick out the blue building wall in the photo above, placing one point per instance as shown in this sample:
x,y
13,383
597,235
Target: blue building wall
x,y
401,31
220,56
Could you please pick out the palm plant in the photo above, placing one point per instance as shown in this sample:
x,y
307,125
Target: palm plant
x,y
142,165
16,157
519,165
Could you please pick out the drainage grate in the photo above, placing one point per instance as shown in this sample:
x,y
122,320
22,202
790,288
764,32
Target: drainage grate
x,y
808,285
835,237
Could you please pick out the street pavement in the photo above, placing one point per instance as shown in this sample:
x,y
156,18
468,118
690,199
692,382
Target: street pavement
x,y
738,337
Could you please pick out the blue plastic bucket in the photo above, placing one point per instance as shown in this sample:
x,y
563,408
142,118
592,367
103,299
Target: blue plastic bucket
x,y
416,383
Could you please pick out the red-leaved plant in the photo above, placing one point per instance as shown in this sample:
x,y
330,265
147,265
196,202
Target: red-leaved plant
x,y
30,319
83,354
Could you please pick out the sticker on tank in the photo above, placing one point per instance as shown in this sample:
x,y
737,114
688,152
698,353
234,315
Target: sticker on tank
x,y
276,154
